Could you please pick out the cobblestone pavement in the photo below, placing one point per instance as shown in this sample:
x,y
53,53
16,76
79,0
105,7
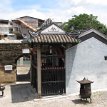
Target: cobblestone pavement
x,y
22,95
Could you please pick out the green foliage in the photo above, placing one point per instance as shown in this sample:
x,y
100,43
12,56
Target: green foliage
x,y
84,22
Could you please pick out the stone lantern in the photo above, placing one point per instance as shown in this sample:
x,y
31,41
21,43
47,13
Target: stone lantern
x,y
85,88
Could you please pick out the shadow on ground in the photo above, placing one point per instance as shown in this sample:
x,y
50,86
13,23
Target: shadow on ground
x,y
1,96
22,93
79,101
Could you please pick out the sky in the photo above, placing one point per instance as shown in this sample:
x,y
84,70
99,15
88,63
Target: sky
x,y
57,10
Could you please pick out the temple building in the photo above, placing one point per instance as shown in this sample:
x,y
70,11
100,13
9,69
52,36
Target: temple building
x,y
58,59
48,45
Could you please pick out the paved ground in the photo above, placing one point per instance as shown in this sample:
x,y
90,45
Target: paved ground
x,y
23,69
22,95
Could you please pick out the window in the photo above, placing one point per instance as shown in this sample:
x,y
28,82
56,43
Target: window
x,y
105,57
16,29
10,30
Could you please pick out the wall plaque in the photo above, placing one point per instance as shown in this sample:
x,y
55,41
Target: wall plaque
x,y
25,51
8,67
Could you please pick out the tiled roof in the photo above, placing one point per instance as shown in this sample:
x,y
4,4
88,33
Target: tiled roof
x,y
54,38
90,31
85,81
25,24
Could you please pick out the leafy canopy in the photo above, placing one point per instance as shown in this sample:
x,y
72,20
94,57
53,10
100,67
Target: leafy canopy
x,y
84,22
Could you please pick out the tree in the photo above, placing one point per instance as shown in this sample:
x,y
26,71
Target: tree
x,y
84,22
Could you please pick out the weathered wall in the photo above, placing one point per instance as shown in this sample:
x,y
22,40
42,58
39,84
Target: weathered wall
x,y
86,60
8,54
7,76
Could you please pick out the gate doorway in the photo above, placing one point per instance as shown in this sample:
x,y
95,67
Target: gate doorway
x,y
52,70
23,68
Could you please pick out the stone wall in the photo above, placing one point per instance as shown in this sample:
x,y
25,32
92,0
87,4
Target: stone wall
x,y
8,55
7,76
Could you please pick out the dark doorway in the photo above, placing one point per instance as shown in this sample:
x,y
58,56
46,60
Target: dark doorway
x,y
53,71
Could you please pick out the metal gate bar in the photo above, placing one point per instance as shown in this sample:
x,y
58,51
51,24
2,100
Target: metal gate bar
x,y
53,80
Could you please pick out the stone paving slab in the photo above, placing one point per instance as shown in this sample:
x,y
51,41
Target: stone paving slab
x,y
23,95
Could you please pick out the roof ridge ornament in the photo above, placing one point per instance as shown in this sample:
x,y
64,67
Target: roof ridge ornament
x,y
46,23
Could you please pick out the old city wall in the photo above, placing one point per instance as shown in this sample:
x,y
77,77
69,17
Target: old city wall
x,y
8,55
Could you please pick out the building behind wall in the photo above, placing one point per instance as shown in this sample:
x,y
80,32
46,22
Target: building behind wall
x,y
22,26
6,29
34,22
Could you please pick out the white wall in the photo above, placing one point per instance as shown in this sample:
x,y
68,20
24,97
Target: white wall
x,y
86,60
4,28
